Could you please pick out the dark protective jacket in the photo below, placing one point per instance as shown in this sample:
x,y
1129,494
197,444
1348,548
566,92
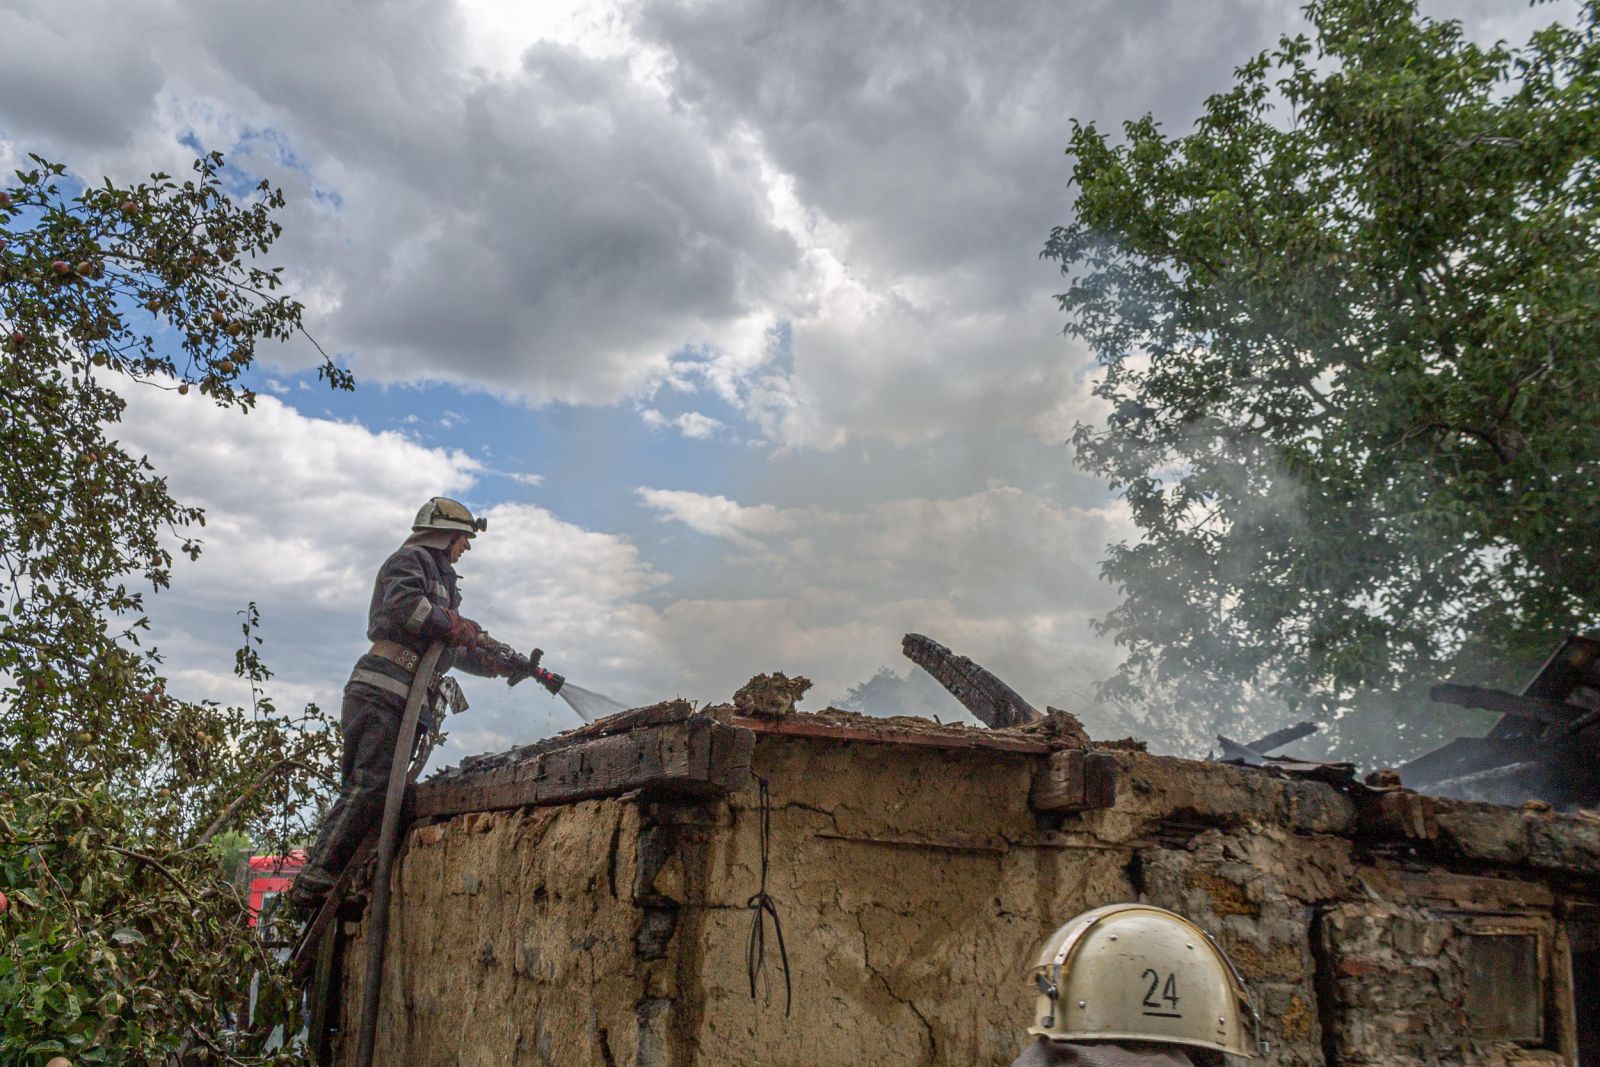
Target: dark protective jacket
x,y
1045,1053
411,600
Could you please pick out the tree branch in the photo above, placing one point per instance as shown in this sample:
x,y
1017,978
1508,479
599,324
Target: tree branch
x,y
227,813
66,898
164,870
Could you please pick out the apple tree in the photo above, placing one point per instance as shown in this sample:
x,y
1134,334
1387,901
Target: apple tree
x,y
123,940
1347,329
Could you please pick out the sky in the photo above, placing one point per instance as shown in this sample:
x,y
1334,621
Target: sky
x,y
728,315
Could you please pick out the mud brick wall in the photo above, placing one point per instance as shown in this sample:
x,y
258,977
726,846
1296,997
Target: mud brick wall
x,y
1251,893
512,942
915,884
1397,965
912,883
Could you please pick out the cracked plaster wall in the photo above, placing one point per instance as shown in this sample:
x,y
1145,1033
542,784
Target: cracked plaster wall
x,y
915,899
512,942
915,885
912,885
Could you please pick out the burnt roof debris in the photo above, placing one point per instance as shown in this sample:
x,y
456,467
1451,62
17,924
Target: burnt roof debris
x,y
1255,753
1546,745
771,695
1513,705
994,702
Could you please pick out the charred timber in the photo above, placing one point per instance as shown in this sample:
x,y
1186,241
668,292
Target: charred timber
x,y
1539,709
1288,735
1233,751
1255,753
994,702
1470,786
695,756
1073,780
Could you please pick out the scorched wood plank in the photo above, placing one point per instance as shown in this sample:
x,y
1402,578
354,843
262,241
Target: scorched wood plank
x,y
696,755
794,727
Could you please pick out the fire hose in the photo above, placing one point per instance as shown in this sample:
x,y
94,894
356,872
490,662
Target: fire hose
x,y
388,840
389,834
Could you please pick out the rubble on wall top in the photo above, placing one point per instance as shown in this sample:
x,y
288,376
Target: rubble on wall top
x,y
667,711
1057,729
1567,689
674,748
766,703
772,695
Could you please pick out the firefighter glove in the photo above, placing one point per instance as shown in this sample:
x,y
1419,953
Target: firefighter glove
x,y
514,666
464,633
520,667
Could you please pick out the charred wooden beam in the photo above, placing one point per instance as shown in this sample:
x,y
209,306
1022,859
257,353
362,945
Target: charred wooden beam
x,y
1234,751
696,756
1288,735
1546,744
994,702
1509,784
1075,780
1492,776
1584,722
1255,753
1539,709
1464,755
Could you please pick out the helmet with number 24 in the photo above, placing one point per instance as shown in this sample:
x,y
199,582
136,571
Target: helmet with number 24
x,y
1132,972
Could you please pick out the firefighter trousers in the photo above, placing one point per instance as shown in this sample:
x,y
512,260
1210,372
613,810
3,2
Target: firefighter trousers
x,y
371,726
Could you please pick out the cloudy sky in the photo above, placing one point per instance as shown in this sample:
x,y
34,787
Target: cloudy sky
x,y
729,315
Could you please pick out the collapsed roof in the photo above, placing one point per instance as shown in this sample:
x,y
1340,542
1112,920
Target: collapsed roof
x,y
1546,745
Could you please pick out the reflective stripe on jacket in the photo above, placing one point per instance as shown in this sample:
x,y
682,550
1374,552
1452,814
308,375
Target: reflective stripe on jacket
x,y
412,597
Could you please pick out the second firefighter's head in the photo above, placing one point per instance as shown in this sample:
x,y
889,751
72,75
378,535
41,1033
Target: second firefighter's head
x,y
1141,978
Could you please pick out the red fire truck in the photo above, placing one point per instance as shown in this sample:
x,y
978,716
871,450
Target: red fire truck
x,y
271,876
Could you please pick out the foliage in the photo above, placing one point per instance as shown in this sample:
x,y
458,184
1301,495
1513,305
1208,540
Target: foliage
x,y
231,852
125,941
1348,329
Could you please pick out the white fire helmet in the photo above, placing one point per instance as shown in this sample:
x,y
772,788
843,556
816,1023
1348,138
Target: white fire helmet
x,y
442,513
1131,972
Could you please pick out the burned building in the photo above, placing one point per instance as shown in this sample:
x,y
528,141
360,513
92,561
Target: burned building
x,y
613,897
1546,745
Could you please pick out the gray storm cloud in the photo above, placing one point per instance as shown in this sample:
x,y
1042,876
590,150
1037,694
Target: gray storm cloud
x,y
878,176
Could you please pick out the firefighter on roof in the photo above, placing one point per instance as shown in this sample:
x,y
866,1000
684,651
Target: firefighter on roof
x,y
414,603
1131,985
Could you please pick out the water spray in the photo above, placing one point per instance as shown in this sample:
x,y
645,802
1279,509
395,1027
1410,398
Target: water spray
x,y
588,704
